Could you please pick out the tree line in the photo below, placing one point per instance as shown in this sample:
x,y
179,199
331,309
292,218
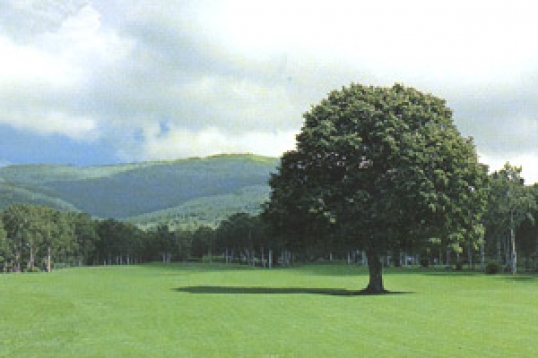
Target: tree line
x,y
38,238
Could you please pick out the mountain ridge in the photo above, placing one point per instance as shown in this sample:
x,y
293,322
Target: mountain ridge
x,y
143,190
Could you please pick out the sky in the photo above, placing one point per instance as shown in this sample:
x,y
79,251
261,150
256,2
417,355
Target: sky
x,y
93,82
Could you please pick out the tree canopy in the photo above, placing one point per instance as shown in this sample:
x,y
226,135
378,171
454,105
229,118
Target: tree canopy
x,y
380,169
510,204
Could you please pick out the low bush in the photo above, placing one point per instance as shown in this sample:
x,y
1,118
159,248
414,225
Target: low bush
x,y
493,268
424,262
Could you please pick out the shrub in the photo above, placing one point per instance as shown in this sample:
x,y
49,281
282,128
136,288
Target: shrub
x,y
424,262
493,268
459,266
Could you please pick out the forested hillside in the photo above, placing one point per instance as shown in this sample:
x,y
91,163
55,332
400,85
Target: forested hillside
x,y
178,192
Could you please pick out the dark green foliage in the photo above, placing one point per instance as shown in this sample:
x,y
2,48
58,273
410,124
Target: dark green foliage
x,y
380,169
512,209
493,268
424,262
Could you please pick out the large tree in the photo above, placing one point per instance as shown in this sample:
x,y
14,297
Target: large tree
x,y
382,169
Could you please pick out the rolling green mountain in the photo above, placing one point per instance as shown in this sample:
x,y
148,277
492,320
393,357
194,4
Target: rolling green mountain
x,y
189,191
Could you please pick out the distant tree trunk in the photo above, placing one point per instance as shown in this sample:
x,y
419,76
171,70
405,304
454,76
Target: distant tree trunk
x,y
499,251
286,258
375,268
513,244
32,258
536,254
263,257
507,252
18,261
482,255
470,256
270,259
48,258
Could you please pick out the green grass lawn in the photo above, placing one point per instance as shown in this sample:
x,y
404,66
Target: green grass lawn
x,y
216,311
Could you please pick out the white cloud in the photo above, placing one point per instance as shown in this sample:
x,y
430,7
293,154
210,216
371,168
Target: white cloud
x,y
462,40
208,141
44,77
235,75
528,162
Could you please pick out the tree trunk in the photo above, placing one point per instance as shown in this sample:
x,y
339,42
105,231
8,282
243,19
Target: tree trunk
x,y
470,257
536,254
499,254
507,252
482,255
18,261
48,259
513,242
32,258
375,268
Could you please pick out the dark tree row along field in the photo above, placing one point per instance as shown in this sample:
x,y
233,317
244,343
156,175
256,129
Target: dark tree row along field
x,y
36,238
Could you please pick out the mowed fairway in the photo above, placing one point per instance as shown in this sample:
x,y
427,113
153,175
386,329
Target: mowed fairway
x,y
196,310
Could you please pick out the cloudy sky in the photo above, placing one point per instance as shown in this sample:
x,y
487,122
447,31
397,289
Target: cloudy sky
x,y
93,82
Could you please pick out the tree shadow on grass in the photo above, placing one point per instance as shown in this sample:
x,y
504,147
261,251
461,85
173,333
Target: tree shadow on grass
x,y
241,290
519,278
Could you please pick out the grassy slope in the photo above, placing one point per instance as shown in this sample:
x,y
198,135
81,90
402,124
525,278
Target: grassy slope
x,y
136,189
193,310
195,212
11,193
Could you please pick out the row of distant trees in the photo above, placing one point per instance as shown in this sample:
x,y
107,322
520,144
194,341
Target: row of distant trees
x,y
40,238
510,225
